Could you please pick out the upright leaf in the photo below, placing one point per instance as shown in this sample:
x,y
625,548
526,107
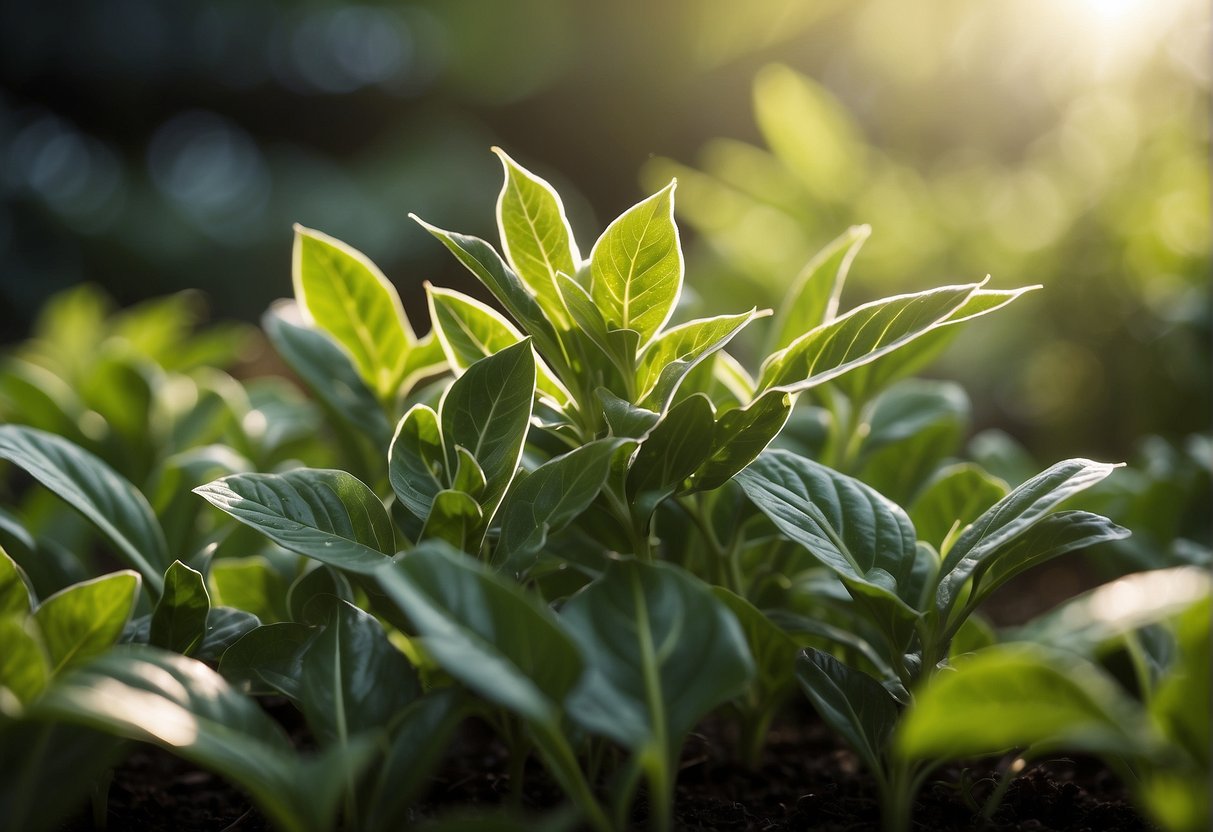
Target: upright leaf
x,y
674,448
86,619
344,293
813,298
535,235
417,466
24,666
15,597
636,267
952,499
665,362
95,490
853,703
739,436
179,620
327,515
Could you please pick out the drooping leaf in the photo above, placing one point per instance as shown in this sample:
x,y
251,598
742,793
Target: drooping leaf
x,y
853,703
535,235
952,499
665,362
353,679
86,619
340,290
179,619
485,630
860,336
417,465
178,703
636,267
813,298
549,498
1019,695
95,490
739,436
1009,517
325,514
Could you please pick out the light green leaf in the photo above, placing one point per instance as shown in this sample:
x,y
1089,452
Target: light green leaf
x,y
487,410
178,703
1019,695
626,420
1010,517
665,362
87,618
455,518
859,337
15,595
251,584
636,267
548,499
95,490
24,668
535,235
619,346
813,298
485,630
417,465
739,436
353,679
952,499
851,702
1178,705
179,619
327,515
662,652
340,290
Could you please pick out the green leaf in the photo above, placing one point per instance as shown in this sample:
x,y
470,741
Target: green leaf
x,y
661,651
813,298
327,515
344,293
625,419
416,462
952,499
269,659
251,584
470,330
774,651
15,595
485,630
548,499
326,370
535,235
1010,517
455,518
178,703
95,490
1177,706
665,362
674,448
636,267
87,618
851,702
469,478
1019,695
353,679
487,410
481,260
323,580
862,537
179,619
224,627
24,668
859,337
739,436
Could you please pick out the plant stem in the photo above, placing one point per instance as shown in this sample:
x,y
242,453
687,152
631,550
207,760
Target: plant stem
x,y
564,767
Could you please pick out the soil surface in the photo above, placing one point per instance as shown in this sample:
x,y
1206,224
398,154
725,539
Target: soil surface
x,y
805,781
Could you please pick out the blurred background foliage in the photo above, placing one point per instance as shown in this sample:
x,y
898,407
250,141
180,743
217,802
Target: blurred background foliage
x,y
150,146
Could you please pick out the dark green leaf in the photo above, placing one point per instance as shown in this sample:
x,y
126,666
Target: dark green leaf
x,y
625,419
674,448
327,515
417,465
323,580
179,620
851,702
269,659
224,627
739,436
774,651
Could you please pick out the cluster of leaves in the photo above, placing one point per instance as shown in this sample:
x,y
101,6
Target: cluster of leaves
x,y
589,527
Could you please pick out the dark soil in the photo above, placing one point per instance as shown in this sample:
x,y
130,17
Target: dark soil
x,y
805,781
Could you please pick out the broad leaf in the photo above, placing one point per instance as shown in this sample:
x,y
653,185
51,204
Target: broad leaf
x,y
535,235
952,499
251,584
455,518
548,499
1010,517
813,298
739,436
636,267
179,620
1015,696
851,702
625,419
674,448
24,667
1177,706
15,596
774,651
417,464
859,337
224,627
269,659
327,515
665,362
86,619
95,490
353,679
485,630
323,580
662,652
344,293
179,703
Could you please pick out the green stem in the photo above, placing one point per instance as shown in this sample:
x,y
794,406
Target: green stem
x,y
564,767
